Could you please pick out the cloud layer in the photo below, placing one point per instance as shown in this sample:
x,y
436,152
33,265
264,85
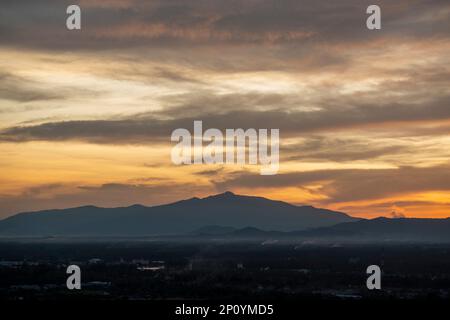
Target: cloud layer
x,y
364,116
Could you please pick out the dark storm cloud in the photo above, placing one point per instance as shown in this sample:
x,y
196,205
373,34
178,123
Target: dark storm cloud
x,y
352,184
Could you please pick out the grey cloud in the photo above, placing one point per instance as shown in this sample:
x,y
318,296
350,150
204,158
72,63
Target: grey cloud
x,y
16,88
351,184
24,90
395,209
397,215
95,131
42,189
210,173
165,74
319,148
207,102
183,23
153,127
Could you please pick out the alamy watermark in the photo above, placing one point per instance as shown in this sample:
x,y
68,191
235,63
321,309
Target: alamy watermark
x,y
374,280
373,22
73,21
236,146
74,280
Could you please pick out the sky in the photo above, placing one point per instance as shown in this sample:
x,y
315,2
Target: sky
x,y
364,115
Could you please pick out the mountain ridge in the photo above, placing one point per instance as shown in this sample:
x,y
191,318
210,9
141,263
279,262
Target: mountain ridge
x,y
182,216
374,230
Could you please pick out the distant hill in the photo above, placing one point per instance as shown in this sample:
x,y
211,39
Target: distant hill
x,y
213,230
226,209
379,229
408,229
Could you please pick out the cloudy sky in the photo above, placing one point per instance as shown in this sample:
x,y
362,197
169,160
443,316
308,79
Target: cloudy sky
x,y
364,116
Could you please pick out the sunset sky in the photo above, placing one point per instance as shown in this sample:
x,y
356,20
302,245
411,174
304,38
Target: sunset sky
x,y
364,116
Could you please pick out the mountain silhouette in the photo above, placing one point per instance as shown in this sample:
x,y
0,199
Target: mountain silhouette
x,y
408,229
375,230
225,209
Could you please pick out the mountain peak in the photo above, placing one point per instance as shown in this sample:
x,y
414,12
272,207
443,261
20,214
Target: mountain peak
x,y
227,194
224,195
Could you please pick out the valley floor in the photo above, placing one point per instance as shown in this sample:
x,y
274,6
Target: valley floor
x,y
149,270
